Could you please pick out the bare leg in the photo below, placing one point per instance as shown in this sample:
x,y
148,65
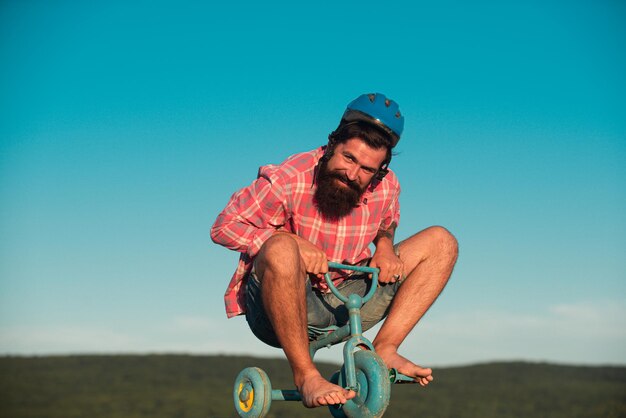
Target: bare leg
x,y
429,257
281,272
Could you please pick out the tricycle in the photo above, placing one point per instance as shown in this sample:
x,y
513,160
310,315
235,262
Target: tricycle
x,y
363,371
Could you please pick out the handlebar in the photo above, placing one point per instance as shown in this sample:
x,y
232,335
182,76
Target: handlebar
x,y
364,269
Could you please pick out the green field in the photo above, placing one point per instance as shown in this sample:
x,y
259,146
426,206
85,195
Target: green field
x,y
180,386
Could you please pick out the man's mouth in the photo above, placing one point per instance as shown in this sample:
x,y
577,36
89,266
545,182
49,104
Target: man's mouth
x,y
342,181
347,184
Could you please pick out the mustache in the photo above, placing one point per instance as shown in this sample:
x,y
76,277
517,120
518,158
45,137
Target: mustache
x,y
352,184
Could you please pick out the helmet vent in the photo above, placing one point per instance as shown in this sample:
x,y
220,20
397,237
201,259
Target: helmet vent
x,y
387,102
398,115
372,97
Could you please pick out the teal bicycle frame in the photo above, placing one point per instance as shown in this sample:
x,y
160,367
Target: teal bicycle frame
x,y
352,329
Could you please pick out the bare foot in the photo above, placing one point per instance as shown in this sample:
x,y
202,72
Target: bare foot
x,y
392,359
317,391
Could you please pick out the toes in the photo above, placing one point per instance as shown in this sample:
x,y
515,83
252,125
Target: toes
x,y
331,398
334,398
424,372
321,401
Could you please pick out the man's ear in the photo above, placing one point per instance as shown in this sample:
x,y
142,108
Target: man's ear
x,y
382,172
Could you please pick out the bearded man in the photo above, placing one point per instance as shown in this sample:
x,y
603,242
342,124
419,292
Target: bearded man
x,y
330,204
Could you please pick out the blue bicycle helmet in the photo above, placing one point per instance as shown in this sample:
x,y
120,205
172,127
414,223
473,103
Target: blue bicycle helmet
x,y
378,110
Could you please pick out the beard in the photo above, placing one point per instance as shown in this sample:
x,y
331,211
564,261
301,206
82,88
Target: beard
x,y
333,200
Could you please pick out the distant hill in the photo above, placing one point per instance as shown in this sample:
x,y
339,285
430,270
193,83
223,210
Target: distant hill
x,y
172,386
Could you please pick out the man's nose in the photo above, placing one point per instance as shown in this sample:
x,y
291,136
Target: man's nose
x,y
352,173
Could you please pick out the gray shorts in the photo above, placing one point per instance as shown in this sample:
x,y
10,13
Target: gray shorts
x,y
323,309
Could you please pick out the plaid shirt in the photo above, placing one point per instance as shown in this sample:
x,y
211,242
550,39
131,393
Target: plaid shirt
x,y
282,197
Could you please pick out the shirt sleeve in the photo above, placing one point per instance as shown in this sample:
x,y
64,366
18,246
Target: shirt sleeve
x,y
392,215
251,216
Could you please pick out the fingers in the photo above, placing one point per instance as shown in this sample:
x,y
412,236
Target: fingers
x,y
391,271
315,261
321,284
317,266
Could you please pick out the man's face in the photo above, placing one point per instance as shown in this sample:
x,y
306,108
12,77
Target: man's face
x,y
357,162
345,176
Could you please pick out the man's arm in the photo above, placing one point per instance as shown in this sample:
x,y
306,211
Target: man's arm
x,y
385,237
251,216
385,258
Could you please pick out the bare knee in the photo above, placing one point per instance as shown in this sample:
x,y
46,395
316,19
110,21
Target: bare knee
x,y
443,242
278,254
434,243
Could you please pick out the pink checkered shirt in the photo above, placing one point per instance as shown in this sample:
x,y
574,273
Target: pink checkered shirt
x,y
282,197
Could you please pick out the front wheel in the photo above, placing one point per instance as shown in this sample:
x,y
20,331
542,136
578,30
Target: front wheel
x,y
252,393
373,392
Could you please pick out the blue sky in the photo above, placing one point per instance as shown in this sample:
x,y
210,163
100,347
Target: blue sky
x,y
124,129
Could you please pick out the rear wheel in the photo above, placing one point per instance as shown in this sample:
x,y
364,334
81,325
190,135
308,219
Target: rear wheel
x,y
252,393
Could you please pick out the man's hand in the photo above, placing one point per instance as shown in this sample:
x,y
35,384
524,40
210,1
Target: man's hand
x,y
314,259
390,265
385,258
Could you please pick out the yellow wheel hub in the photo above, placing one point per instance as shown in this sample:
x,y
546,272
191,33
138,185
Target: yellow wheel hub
x,y
246,397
